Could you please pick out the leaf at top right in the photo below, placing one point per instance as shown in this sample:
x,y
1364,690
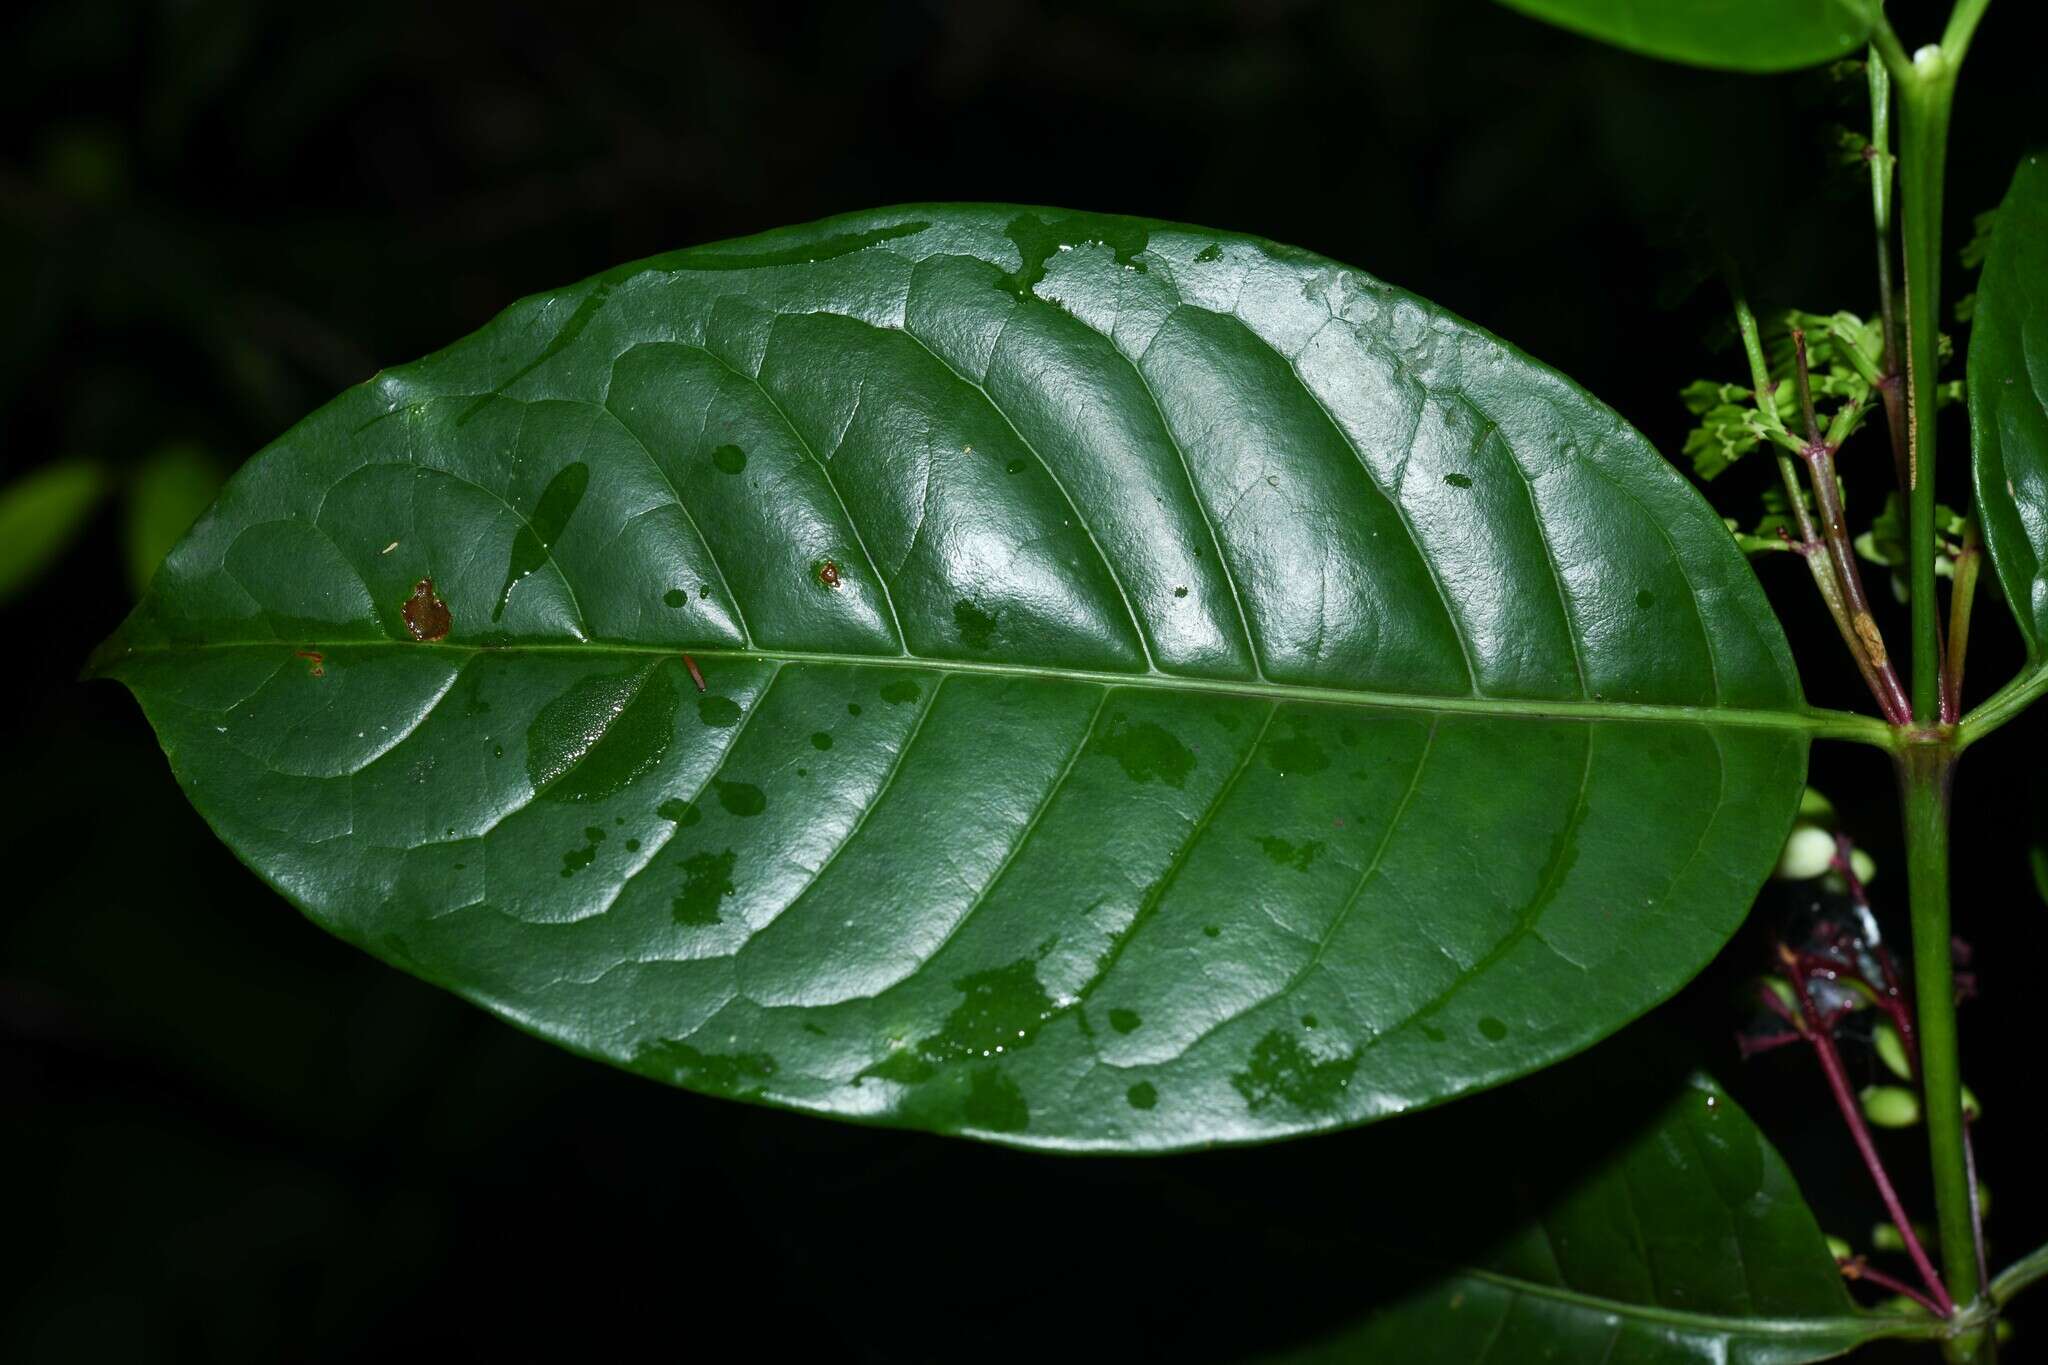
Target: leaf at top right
x,y
2008,390
1726,35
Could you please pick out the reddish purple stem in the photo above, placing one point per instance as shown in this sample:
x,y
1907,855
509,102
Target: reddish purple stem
x,y
1857,1269
1838,961
1852,1114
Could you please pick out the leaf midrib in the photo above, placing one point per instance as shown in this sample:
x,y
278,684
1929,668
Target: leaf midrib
x,y
1815,722
1862,1325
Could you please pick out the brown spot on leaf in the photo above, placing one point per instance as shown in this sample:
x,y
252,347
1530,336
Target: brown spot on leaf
x,y
828,573
696,676
316,661
426,615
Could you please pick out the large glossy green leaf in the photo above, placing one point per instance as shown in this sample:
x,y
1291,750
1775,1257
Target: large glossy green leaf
x,y
1675,1236
1735,35
1160,687
2008,399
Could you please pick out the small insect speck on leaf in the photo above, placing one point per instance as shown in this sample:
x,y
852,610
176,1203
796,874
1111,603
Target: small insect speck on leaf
x,y
388,548
695,676
828,573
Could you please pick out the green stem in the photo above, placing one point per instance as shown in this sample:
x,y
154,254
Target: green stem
x,y
1926,85
1880,83
1925,773
1962,23
1890,49
1889,383
1925,94
2007,703
2021,1273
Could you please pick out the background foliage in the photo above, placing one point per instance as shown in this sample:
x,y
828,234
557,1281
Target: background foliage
x,y
245,1140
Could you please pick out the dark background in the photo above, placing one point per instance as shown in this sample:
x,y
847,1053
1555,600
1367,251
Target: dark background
x,y
229,1137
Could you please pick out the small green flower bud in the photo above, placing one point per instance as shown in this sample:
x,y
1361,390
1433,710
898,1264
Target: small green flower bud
x,y
1807,853
1780,987
1891,1050
1983,1200
1971,1109
1885,1237
1863,865
1890,1106
1840,1249
1816,808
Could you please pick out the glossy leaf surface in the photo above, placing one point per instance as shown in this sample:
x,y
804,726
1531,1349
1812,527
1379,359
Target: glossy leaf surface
x,y
1160,687
2008,398
1676,1236
1734,35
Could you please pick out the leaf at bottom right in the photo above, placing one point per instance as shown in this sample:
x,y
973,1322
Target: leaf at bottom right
x,y
1608,1210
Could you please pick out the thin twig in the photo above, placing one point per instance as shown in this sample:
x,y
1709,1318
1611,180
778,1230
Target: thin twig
x,y
1969,560
1827,496
1852,1114
1976,1203
1856,1268
1891,389
1803,383
1835,535
1818,563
